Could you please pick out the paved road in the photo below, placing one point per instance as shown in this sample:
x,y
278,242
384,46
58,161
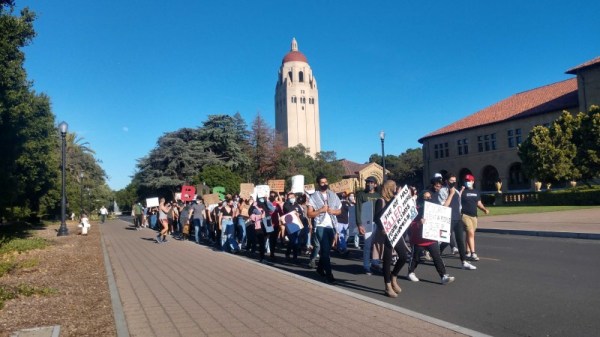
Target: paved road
x,y
524,286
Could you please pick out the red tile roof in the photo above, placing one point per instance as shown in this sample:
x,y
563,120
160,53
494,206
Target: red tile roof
x,y
557,96
584,65
351,168
294,56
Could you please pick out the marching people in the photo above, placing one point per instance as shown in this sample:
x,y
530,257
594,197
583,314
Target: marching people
x,y
323,207
293,233
197,208
420,244
342,225
226,216
257,235
163,209
390,277
471,201
242,220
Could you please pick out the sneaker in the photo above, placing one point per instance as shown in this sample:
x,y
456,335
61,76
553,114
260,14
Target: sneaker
x,y
312,264
413,277
447,279
474,257
427,256
454,251
368,272
466,265
330,280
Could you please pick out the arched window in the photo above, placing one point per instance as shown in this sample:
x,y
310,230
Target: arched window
x,y
301,76
294,99
291,76
516,178
489,178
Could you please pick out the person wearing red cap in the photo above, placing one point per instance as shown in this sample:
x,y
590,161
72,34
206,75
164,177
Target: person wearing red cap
x,y
471,201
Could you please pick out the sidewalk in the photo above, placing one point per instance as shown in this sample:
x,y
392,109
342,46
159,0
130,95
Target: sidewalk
x,y
580,224
182,289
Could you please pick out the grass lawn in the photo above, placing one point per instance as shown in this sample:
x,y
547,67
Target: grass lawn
x,y
505,210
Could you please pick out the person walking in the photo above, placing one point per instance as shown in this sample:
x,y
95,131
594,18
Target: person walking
x,y
163,209
471,201
103,214
365,224
390,277
197,217
323,206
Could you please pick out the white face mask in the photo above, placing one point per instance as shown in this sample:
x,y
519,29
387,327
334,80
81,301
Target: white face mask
x,y
469,184
292,200
351,198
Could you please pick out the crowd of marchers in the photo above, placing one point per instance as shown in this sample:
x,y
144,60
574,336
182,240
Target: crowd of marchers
x,y
313,225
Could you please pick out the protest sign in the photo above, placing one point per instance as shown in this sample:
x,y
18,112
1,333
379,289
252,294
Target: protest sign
x,y
246,190
345,185
310,188
292,222
211,199
366,218
437,222
262,191
152,202
188,193
398,216
276,185
298,184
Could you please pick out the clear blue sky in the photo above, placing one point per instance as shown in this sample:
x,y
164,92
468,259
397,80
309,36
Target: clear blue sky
x,y
122,73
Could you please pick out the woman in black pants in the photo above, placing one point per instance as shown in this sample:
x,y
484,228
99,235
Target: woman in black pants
x,y
256,232
390,277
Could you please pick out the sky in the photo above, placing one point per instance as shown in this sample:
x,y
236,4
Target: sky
x,y
123,73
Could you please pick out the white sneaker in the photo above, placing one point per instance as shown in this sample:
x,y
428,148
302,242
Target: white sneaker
x,y
474,257
466,265
454,251
413,277
447,279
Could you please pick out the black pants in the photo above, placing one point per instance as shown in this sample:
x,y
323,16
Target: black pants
x,y
400,249
434,250
457,229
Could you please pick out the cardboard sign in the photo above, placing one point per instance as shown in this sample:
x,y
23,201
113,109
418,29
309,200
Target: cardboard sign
x,y
152,202
292,222
246,190
211,199
366,217
298,184
345,185
310,188
262,191
437,222
398,216
187,193
277,185
220,190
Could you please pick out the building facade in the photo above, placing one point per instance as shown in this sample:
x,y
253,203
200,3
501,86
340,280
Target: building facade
x,y
485,144
297,102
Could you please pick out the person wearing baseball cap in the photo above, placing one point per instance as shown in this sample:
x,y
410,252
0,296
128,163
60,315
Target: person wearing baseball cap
x,y
471,201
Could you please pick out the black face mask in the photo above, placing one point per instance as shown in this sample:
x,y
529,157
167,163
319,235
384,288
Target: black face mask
x,y
451,185
324,187
370,187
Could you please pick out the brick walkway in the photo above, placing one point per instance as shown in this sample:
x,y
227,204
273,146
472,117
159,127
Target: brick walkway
x,y
182,289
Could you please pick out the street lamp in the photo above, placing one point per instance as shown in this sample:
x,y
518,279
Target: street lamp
x,y
81,194
63,231
382,137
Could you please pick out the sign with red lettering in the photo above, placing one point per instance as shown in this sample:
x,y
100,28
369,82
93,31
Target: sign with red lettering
x,y
188,193
398,216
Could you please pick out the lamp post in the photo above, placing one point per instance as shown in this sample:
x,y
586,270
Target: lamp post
x,y
382,137
63,231
81,195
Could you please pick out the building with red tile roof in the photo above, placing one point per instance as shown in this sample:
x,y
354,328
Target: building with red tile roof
x,y
485,144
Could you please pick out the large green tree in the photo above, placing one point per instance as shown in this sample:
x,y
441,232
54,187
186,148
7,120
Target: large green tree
x,y
28,136
548,154
406,168
587,139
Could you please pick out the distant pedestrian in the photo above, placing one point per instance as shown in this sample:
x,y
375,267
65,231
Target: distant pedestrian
x,y
471,201
163,209
103,214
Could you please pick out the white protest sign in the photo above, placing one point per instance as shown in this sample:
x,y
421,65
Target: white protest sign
x,y
262,191
398,216
437,222
152,202
298,184
292,222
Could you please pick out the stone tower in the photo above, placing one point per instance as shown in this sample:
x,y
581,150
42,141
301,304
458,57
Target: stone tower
x,y
297,102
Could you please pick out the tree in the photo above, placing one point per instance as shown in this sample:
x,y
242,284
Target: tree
x,y
28,137
263,156
218,175
405,169
178,157
587,139
327,164
548,153
225,136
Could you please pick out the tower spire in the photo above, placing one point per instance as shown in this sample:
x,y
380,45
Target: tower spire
x,y
294,45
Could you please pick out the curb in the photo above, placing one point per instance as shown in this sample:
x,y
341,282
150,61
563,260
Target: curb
x,y
115,298
564,235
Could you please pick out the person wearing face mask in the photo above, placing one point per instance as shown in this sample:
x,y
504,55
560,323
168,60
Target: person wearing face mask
x,y
471,201
293,244
342,225
370,195
352,229
444,198
323,206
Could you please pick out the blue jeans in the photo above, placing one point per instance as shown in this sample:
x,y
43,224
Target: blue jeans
x,y
197,225
241,234
228,241
325,237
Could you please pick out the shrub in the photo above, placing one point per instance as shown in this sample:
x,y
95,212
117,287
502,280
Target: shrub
x,y
568,197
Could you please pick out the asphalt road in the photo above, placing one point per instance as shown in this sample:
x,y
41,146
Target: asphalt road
x,y
524,286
